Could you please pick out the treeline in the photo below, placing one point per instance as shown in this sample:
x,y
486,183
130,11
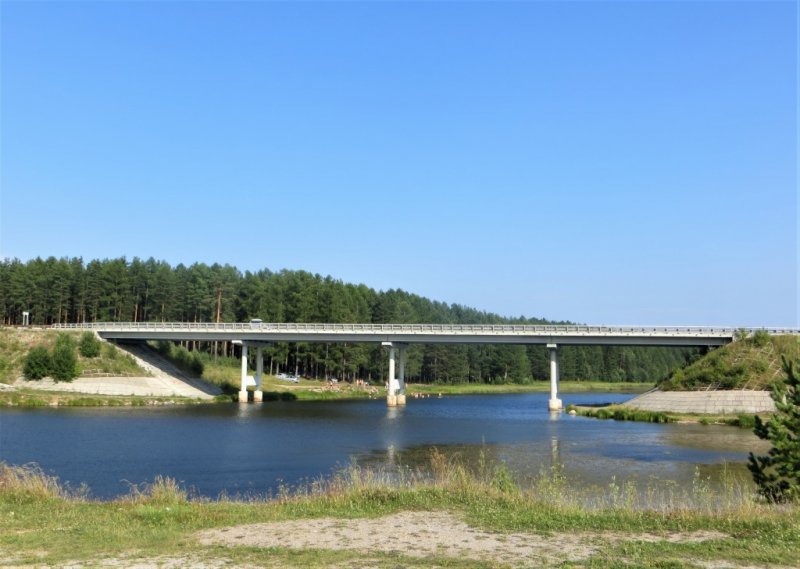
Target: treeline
x,y
72,291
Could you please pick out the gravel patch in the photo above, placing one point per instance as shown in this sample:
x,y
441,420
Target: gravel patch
x,y
425,534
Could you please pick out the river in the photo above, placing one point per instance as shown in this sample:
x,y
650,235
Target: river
x,y
252,449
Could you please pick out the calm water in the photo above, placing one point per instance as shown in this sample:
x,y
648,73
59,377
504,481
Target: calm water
x,y
254,448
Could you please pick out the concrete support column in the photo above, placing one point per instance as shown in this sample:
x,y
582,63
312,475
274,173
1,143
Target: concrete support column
x,y
393,387
258,395
401,396
243,388
555,403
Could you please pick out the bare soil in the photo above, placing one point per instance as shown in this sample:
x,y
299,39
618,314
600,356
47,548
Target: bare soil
x,y
424,534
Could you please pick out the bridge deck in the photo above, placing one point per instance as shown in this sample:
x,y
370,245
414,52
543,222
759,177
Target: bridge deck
x,y
419,333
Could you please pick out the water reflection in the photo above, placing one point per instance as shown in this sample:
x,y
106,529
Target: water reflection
x,y
555,454
394,413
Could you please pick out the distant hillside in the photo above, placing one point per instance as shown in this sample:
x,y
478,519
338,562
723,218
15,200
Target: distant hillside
x,y
751,363
70,290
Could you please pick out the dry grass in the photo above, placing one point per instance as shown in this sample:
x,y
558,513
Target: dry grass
x,y
29,482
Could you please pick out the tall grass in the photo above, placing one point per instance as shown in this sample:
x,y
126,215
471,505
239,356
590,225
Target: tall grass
x,y
30,483
445,478
163,491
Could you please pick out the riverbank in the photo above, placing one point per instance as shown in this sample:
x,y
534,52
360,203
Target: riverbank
x,y
34,398
456,517
311,390
305,390
626,413
734,407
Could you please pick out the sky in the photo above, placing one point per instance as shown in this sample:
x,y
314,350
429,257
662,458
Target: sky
x,y
623,162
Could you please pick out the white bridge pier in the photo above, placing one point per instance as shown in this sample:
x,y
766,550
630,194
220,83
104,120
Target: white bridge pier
x,y
396,386
258,393
554,404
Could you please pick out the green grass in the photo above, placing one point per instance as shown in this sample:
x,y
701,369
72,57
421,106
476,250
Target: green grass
x,y
535,387
623,413
16,342
227,376
42,522
752,363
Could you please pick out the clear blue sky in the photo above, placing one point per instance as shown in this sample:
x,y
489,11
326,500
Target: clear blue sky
x,y
603,162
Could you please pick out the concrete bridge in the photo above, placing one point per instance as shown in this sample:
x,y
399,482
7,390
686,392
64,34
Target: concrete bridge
x,y
396,337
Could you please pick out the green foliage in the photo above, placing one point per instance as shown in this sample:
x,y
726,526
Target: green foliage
x,y
622,413
69,290
743,421
89,346
113,361
751,363
761,338
64,360
777,474
741,334
37,363
186,361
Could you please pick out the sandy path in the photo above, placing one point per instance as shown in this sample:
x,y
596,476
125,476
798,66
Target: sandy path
x,y
424,534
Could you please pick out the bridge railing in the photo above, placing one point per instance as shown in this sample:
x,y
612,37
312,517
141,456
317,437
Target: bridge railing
x,y
489,329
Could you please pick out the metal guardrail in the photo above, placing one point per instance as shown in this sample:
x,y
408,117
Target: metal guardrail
x,y
426,329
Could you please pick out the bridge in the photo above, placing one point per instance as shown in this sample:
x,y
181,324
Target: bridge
x,y
396,337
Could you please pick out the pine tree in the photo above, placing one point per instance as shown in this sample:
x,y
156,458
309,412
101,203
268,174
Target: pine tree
x,y
778,473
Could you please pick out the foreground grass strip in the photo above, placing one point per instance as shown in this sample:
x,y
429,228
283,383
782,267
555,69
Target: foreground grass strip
x,y
43,523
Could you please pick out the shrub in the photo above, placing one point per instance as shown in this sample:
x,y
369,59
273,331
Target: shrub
x,y
778,473
37,363
187,361
761,338
110,352
164,347
65,361
89,346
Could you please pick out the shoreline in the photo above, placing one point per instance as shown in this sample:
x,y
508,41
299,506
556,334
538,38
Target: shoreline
x,y
30,397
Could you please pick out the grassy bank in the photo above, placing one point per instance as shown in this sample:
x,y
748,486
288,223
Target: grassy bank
x,y
748,363
43,523
37,398
623,413
227,376
277,390
16,342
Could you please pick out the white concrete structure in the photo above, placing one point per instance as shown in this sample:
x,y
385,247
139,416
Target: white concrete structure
x,y
421,333
554,404
704,402
397,336
258,394
396,387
